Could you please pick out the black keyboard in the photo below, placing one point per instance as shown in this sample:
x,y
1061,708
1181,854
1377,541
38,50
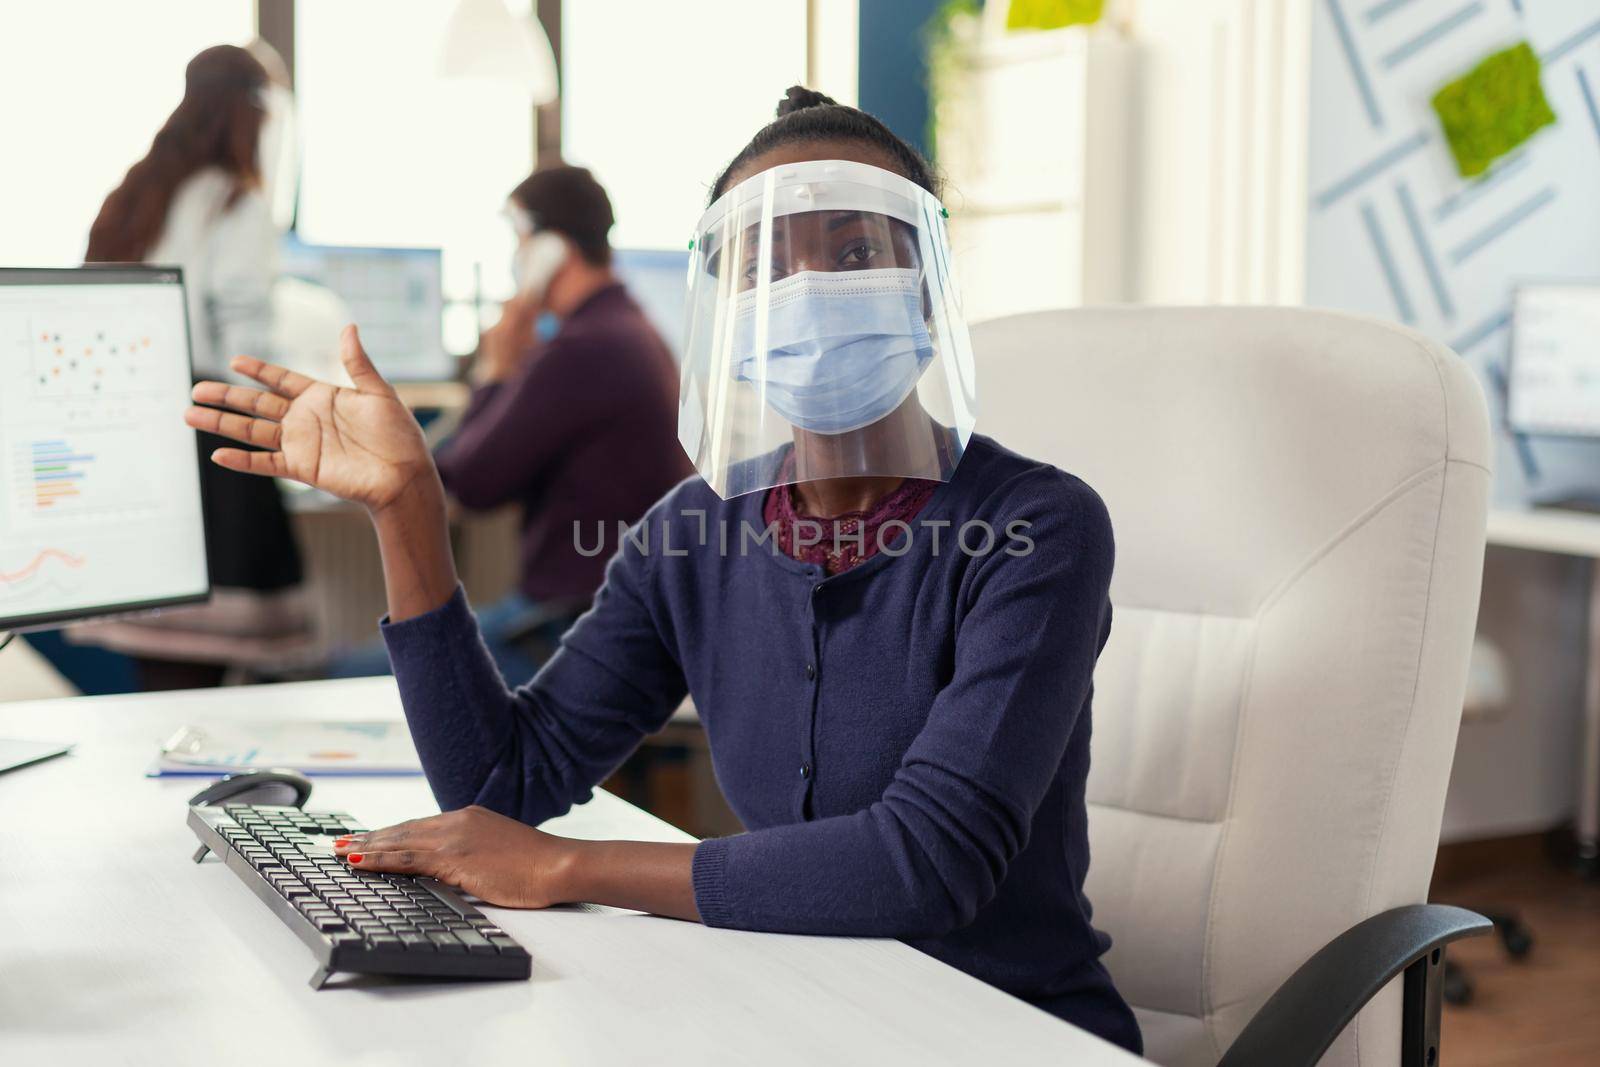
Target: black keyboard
x,y
353,921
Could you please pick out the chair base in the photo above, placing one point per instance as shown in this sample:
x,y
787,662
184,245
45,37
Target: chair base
x,y
1515,938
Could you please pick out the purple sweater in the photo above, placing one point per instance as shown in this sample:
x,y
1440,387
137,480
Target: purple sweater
x,y
907,741
586,432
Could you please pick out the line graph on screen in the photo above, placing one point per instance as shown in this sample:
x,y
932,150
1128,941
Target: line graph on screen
x,y
53,574
35,567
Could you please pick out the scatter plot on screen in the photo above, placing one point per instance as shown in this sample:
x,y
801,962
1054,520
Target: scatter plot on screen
x,y
75,360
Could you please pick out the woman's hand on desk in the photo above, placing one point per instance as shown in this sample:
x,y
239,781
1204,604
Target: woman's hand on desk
x,y
360,444
502,861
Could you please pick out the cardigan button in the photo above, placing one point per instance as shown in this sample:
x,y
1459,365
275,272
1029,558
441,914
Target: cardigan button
x,y
811,671
805,770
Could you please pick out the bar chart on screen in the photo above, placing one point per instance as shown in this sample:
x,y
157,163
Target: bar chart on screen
x,y
91,472
51,473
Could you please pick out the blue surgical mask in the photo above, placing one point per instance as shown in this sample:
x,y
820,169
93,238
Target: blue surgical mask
x,y
546,326
843,348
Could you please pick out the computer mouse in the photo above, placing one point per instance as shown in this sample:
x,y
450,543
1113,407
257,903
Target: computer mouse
x,y
277,786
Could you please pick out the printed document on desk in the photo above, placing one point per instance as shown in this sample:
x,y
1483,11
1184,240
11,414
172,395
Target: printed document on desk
x,y
312,748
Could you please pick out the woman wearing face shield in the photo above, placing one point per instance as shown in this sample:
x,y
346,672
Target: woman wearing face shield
x,y
895,676
197,199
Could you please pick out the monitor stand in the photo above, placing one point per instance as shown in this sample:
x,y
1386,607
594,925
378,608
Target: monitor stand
x,y
14,754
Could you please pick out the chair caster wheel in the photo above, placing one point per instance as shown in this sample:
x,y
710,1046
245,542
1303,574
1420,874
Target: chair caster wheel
x,y
1517,939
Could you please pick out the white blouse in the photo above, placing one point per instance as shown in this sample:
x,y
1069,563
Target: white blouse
x,y
229,256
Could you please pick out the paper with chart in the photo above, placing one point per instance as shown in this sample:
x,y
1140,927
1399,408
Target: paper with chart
x,y
99,495
307,747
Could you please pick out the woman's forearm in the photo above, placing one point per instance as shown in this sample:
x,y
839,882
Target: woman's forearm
x,y
419,570
639,875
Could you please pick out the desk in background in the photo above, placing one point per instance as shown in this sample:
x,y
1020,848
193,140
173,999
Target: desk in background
x,y
344,573
1569,533
118,949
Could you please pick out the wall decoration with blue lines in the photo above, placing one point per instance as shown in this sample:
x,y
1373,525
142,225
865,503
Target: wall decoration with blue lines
x,y
1396,232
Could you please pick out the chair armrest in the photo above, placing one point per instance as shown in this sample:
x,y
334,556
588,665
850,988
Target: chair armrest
x,y
1298,1023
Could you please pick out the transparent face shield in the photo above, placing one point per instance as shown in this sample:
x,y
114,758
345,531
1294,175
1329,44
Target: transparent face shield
x,y
824,335
279,154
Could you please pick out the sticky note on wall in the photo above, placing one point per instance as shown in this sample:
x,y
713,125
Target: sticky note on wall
x,y
1052,14
1493,108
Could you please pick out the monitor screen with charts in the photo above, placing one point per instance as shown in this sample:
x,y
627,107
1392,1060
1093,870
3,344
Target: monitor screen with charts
x,y
99,476
1553,384
394,295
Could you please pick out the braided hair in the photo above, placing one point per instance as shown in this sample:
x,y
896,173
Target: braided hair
x,y
805,115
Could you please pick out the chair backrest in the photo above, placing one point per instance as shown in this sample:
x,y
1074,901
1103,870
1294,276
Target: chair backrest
x,y
1299,500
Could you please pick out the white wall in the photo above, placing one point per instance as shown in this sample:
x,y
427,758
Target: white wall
x,y
1391,230
833,48
1221,135
658,111
1397,233
86,84
1238,130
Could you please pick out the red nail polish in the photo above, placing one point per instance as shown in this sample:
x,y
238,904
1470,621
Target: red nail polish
x,y
355,857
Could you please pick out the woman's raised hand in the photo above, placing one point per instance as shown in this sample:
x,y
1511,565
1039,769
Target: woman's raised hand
x,y
361,444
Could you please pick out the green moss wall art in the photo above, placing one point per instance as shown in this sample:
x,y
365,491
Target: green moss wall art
x,y
1493,108
1052,14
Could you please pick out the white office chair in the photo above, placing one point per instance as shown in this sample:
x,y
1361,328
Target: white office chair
x,y
1299,501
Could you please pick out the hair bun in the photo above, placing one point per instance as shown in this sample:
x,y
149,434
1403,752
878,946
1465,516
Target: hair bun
x,y
799,98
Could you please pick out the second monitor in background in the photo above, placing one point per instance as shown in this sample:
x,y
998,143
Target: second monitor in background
x,y
394,294
656,280
1553,382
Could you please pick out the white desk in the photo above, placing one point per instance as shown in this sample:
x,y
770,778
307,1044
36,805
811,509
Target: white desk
x,y
1569,533
95,960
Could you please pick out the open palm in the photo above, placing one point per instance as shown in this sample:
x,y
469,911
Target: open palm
x,y
361,444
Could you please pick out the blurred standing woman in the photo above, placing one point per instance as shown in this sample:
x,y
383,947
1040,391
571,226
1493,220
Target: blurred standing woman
x,y
195,200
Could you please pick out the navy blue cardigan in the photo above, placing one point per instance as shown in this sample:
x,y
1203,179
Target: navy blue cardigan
x,y
907,742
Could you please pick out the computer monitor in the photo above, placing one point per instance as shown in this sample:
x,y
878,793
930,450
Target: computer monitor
x,y
394,294
99,476
658,280
1553,381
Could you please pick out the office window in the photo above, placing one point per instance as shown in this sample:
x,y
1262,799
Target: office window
x,y
86,84
657,97
395,155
